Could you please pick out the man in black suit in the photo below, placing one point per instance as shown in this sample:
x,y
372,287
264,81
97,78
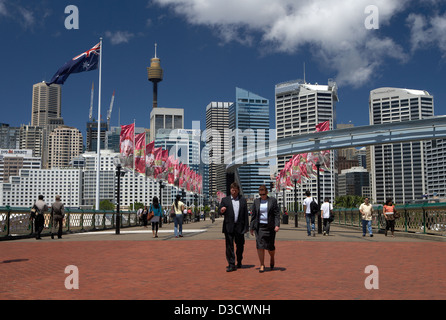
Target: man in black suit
x,y
236,223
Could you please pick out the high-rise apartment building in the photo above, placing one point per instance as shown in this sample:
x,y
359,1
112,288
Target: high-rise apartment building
x,y
31,138
217,144
435,159
24,189
64,143
398,170
249,124
299,108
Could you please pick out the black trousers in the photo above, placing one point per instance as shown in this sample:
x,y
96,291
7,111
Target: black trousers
x,y
39,224
239,240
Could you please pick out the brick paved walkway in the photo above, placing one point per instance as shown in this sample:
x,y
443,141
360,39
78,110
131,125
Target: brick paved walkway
x,y
135,266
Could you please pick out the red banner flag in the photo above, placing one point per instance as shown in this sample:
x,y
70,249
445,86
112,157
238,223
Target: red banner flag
x,y
150,160
324,126
140,153
126,145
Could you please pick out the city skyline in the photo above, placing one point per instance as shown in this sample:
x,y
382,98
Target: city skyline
x,y
206,54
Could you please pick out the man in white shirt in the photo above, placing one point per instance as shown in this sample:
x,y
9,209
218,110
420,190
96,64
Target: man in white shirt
x,y
326,211
309,216
235,224
366,210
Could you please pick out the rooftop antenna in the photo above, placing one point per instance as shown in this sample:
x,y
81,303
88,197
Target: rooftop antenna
x,y
305,80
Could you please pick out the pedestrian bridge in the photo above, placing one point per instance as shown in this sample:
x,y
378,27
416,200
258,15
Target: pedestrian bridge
x,y
424,218
390,133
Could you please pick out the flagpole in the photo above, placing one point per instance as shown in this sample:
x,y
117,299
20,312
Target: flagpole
x,y
98,171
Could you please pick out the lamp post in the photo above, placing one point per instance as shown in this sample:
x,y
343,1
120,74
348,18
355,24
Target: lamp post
x,y
119,174
319,220
296,222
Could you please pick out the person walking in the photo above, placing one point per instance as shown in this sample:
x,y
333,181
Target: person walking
x,y
157,213
265,222
178,207
39,220
145,214
57,214
326,211
388,211
309,214
139,215
366,211
234,208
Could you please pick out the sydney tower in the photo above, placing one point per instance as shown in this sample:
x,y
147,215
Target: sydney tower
x,y
155,75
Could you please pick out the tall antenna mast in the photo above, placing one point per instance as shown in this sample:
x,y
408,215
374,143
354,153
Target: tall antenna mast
x,y
305,80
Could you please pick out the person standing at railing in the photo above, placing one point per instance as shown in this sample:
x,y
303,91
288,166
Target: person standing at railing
x,y
57,214
39,220
389,214
366,210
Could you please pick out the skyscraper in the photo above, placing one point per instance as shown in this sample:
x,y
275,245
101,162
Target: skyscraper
x,y
46,113
249,122
217,143
299,108
46,103
398,170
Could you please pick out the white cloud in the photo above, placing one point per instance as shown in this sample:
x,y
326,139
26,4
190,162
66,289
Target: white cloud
x,y
3,11
333,30
119,37
27,17
428,32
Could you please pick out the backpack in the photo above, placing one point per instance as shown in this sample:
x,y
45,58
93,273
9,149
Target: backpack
x,y
314,207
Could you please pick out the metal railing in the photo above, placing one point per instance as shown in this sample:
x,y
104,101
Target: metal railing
x,y
16,222
425,218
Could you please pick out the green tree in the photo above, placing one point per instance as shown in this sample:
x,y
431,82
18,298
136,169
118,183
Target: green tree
x,y
106,205
348,201
136,206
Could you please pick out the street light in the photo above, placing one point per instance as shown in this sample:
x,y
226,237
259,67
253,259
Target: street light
x,y
119,174
319,220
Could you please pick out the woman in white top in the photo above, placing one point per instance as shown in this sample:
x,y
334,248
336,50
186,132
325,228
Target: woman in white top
x,y
326,211
265,222
178,207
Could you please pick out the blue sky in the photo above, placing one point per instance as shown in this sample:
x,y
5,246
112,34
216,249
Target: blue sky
x,y
209,47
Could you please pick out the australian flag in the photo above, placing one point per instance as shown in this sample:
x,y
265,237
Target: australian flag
x,y
87,61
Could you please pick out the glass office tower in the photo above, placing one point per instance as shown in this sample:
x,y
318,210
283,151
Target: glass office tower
x,y
249,125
